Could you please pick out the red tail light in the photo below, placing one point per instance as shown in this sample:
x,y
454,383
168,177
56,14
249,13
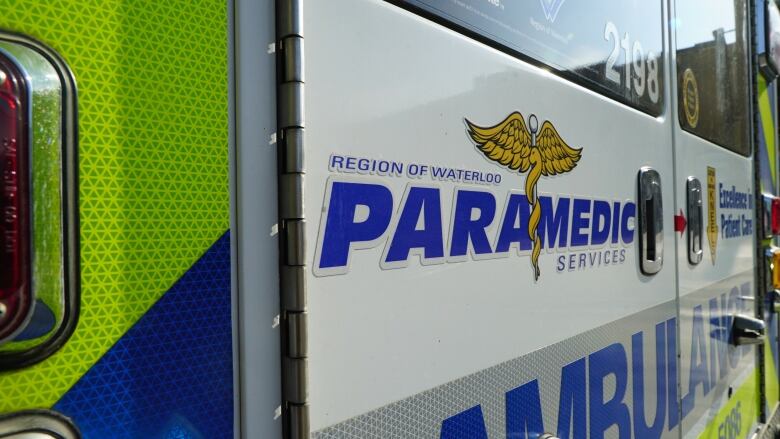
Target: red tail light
x,y
15,293
776,216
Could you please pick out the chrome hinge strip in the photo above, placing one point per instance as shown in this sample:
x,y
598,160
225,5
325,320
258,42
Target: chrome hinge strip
x,y
292,222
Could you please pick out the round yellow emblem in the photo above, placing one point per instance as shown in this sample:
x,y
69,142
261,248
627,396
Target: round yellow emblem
x,y
690,92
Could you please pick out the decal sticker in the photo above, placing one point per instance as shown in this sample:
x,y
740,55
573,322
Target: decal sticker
x,y
453,214
690,98
364,213
551,9
535,151
712,215
736,216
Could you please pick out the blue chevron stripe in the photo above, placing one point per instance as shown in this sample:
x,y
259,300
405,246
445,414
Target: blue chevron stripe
x,y
171,375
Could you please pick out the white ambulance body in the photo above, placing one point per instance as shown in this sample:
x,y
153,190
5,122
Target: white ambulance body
x,y
498,219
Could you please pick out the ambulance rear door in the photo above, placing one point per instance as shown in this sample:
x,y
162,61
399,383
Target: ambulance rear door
x,y
487,204
714,217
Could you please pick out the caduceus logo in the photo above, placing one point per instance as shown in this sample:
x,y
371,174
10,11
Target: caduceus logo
x,y
537,151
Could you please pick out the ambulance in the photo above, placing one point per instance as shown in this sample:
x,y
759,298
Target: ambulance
x,y
376,219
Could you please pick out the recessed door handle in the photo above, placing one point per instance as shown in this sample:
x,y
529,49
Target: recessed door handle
x,y
651,222
695,221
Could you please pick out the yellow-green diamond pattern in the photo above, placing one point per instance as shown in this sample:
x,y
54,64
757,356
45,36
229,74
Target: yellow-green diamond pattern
x,y
153,123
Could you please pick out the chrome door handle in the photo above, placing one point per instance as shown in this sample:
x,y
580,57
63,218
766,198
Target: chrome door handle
x,y
747,330
695,221
651,221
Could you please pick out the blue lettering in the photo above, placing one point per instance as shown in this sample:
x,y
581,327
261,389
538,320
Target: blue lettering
x,y
641,429
341,229
465,229
603,414
420,201
626,233
582,406
599,232
336,162
579,222
718,341
524,412
517,212
699,373
468,424
615,221
561,263
572,404
671,354
554,223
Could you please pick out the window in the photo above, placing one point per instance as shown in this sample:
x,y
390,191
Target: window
x,y
611,46
712,71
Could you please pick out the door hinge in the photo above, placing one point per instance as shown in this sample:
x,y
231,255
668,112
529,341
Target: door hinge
x,y
292,221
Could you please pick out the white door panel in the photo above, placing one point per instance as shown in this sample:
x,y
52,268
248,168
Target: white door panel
x,y
717,378
385,84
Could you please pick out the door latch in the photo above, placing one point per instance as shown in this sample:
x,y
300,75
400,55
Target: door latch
x,y
747,330
651,221
695,221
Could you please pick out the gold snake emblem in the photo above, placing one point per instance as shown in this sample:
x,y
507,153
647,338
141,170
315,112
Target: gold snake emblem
x,y
536,151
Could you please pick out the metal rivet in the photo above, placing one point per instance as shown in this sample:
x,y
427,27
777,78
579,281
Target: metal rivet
x,y
3,310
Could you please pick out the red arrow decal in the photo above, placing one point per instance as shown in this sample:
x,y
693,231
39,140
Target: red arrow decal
x,y
680,222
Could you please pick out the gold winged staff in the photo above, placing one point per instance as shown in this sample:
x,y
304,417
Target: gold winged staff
x,y
536,151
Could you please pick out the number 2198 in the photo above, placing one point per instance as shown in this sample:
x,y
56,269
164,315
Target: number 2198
x,y
645,68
